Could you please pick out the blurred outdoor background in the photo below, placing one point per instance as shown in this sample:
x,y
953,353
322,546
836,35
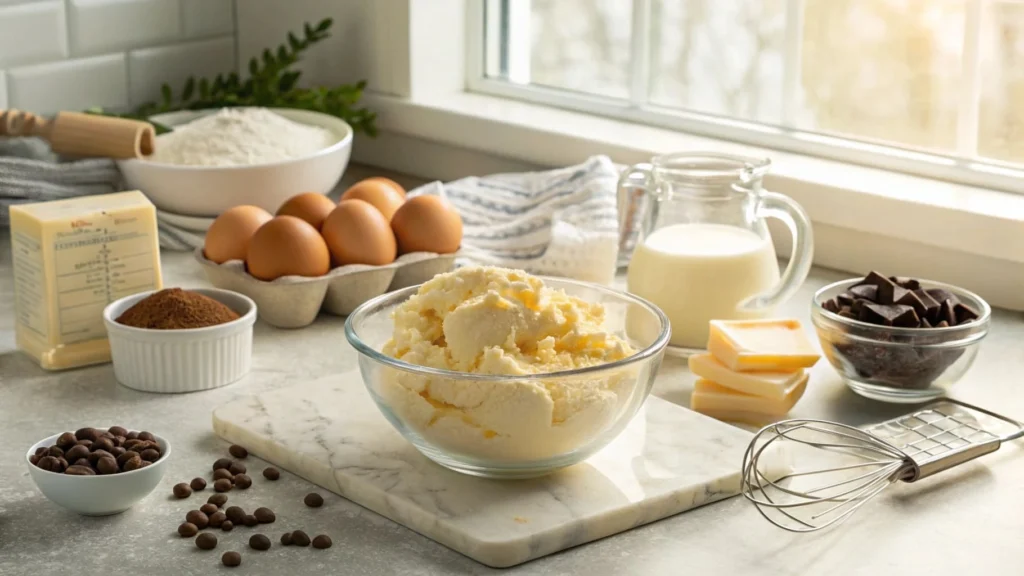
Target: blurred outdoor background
x,y
887,70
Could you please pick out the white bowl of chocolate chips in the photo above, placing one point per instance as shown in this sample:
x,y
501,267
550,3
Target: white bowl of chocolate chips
x,y
98,471
899,339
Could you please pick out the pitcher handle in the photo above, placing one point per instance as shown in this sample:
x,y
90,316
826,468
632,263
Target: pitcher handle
x,y
772,205
633,187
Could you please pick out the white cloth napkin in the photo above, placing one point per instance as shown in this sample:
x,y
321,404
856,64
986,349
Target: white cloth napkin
x,y
560,222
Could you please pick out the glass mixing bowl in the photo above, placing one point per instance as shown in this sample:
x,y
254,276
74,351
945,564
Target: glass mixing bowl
x,y
519,440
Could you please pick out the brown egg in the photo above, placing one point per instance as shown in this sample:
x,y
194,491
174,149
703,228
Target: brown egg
x,y
381,195
311,207
228,237
398,187
287,246
427,224
357,233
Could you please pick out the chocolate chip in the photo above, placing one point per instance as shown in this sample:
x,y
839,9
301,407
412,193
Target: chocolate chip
x,y
241,481
286,539
128,455
197,484
102,444
208,508
62,465
271,473
33,459
313,500
85,434
134,445
48,463
322,541
55,451
80,471
221,463
133,463
82,462
300,538
227,525
264,515
144,464
76,452
66,440
181,490
237,468
87,443
222,485
231,559
131,435
95,455
187,530
222,474
107,465
238,451
250,520
198,518
218,500
146,436
117,451
119,440
259,542
117,431
150,455
217,518
206,541
41,451
235,514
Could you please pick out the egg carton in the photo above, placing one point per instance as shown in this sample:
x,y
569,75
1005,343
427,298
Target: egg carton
x,y
295,301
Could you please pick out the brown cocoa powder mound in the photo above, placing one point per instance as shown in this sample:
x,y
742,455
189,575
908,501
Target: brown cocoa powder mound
x,y
176,309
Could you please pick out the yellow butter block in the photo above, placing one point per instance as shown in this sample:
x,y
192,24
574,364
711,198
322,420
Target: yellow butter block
x,y
724,403
776,345
776,385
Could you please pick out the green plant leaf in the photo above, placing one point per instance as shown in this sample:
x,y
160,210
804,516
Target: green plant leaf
x,y
308,30
166,94
254,66
294,42
324,24
190,87
204,89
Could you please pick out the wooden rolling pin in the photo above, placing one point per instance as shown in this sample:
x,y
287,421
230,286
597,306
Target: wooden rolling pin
x,y
76,134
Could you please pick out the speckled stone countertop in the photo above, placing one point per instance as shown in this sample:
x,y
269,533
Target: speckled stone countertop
x,y
965,521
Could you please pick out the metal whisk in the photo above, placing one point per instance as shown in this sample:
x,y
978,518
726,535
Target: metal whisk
x,y
843,467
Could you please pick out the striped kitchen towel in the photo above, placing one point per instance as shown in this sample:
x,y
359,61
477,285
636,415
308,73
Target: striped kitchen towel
x,y
560,222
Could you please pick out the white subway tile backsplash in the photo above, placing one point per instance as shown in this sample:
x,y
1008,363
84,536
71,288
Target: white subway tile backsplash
x,y
204,18
69,84
31,33
98,26
3,90
148,69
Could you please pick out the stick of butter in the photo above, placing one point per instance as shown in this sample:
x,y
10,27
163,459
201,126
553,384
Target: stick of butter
x,y
71,258
777,345
724,403
775,385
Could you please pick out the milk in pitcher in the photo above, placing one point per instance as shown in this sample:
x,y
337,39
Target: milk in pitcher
x,y
698,272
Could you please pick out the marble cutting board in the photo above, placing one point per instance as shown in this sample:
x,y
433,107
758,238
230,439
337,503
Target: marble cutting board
x,y
667,461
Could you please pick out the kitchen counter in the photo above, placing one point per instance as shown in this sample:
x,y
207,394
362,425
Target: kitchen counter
x,y
966,521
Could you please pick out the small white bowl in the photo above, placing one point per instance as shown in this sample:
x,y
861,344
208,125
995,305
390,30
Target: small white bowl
x,y
173,361
210,190
98,495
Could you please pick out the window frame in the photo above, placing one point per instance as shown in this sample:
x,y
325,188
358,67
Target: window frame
x,y
960,168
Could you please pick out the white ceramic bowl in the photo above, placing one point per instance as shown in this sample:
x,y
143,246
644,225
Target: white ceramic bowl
x,y
210,190
98,495
171,361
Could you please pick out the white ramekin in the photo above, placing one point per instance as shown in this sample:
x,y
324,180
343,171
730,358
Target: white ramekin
x,y
171,361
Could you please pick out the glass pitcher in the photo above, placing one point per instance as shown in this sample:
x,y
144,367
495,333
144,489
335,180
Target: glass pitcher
x,y
701,249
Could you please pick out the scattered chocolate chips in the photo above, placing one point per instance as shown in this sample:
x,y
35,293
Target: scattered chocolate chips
x,y
222,485
222,474
259,542
237,468
322,542
235,514
300,538
221,463
217,518
238,451
208,508
197,484
206,541
264,515
218,500
187,530
313,500
198,518
286,539
242,481
181,490
231,559
250,520
227,525
271,473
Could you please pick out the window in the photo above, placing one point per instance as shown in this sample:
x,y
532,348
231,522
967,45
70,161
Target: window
x,y
933,87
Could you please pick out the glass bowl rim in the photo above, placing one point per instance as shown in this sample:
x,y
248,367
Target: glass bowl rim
x,y
648,352
982,322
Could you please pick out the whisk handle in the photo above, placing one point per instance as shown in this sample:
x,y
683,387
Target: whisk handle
x,y
931,466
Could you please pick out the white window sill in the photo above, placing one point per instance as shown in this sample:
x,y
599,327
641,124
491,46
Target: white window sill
x,y
864,218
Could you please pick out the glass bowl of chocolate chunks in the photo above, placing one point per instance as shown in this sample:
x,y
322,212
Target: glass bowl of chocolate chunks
x,y
899,339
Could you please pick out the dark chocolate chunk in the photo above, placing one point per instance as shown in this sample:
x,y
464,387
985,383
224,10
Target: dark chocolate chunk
x,y
925,323
869,291
940,295
889,315
858,305
964,313
847,312
875,279
947,313
845,299
903,282
831,305
911,299
890,294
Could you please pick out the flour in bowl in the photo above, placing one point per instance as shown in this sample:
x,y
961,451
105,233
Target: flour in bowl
x,y
240,137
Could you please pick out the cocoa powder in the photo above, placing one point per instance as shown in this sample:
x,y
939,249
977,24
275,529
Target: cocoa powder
x,y
176,309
